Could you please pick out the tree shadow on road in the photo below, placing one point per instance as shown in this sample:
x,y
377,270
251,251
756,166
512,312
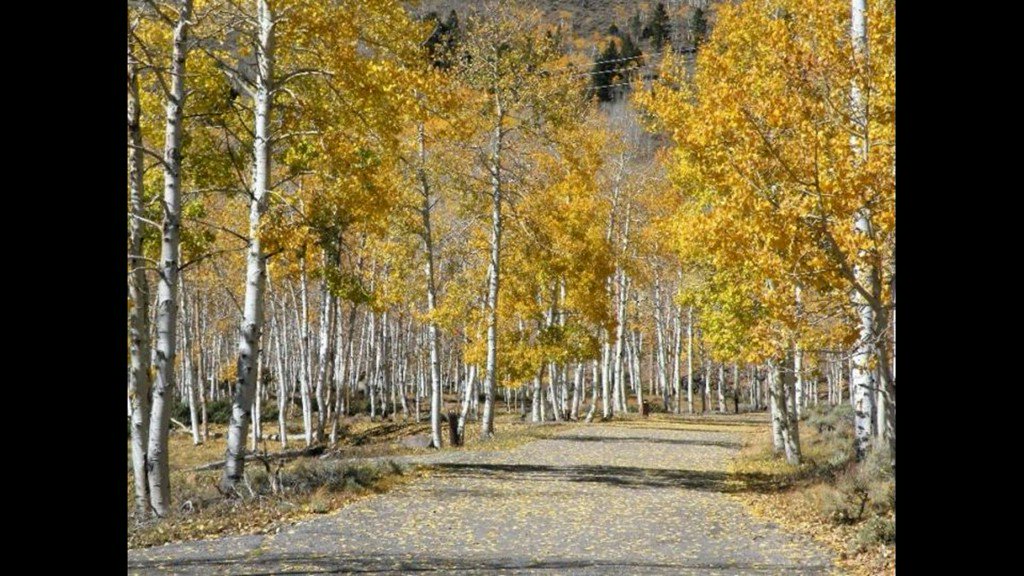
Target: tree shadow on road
x,y
267,563
647,440
619,476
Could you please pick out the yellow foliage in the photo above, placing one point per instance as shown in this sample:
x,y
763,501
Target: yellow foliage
x,y
774,166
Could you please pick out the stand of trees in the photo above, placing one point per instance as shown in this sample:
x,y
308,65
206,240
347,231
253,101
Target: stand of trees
x,y
337,208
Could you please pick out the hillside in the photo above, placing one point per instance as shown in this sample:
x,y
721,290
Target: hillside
x,y
590,20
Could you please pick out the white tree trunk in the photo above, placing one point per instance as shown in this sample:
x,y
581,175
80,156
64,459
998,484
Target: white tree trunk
x,y
279,330
871,354
660,334
736,387
257,404
344,365
721,388
863,383
798,365
606,405
166,295
387,381
577,383
634,371
552,396
428,247
537,404
791,432
371,382
304,384
689,358
325,353
777,414
593,392
706,387
190,365
204,367
620,331
494,273
784,428
255,264
677,351
138,295
464,410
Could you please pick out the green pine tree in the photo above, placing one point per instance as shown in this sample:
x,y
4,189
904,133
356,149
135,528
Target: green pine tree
x,y
659,28
698,26
606,72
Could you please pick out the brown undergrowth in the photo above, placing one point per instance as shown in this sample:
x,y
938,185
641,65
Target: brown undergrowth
x,y
309,485
849,506
264,502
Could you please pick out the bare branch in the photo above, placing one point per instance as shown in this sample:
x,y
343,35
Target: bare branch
x,y
152,153
146,220
209,255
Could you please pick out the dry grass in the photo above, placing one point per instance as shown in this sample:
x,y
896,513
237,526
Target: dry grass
x,y
200,511
849,508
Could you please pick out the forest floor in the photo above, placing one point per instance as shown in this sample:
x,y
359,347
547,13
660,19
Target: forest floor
x,y
650,496
363,462
848,507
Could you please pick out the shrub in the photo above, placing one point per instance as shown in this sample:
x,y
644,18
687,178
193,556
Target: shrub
x,y
308,476
876,474
180,412
844,503
359,405
834,425
656,407
831,419
868,486
219,411
320,502
877,530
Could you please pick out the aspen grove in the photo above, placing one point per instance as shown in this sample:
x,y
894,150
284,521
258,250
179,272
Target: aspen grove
x,y
361,209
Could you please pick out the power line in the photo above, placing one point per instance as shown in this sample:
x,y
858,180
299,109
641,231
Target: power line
x,y
611,85
608,61
613,71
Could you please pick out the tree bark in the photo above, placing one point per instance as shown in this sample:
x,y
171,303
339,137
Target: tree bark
x,y
736,387
706,387
778,443
660,333
494,272
464,411
552,395
190,365
138,296
278,328
428,247
721,388
593,397
689,358
167,286
257,404
607,410
634,371
577,383
620,331
791,432
326,350
304,384
783,430
255,266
